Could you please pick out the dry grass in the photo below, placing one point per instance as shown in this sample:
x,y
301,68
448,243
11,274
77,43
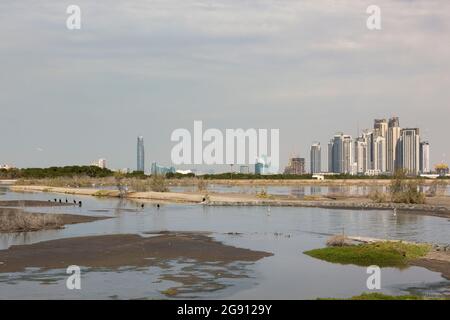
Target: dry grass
x,y
202,185
378,196
18,221
339,240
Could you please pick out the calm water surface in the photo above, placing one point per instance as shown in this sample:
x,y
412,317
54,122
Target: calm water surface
x,y
285,232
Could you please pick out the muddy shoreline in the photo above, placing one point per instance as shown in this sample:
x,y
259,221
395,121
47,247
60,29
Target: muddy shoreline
x,y
119,250
32,203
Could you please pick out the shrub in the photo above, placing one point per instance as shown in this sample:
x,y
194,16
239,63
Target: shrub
x,y
202,185
158,184
378,196
19,221
403,191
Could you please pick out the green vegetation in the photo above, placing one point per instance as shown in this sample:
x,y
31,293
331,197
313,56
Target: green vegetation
x,y
382,254
54,172
382,296
170,292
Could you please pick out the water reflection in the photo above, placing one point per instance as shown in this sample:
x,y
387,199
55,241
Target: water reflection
x,y
286,233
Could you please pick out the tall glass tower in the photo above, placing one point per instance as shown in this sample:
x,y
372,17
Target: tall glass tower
x,y
140,154
315,158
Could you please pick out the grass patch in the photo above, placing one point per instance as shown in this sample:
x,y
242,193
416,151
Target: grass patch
x,y
382,254
381,296
170,292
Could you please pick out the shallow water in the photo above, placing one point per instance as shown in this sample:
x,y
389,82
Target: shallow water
x,y
298,191
285,232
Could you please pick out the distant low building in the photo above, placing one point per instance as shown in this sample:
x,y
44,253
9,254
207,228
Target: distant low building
x,y
259,167
101,163
161,170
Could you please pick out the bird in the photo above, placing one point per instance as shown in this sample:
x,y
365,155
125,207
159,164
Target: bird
x,y
142,206
268,211
395,212
80,204
157,205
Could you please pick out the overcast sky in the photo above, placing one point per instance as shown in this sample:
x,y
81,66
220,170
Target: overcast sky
x,y
310,68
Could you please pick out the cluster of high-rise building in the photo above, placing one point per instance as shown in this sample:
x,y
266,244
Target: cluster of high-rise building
x,y
296,166
381,150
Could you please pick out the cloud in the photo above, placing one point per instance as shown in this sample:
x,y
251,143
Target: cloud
x,y
158,64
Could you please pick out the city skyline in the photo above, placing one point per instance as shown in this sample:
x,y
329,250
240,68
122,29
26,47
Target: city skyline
x,y
86,94
368,153
383,149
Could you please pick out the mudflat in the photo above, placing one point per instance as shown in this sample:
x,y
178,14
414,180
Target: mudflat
x,y
114,251
32,203
435,261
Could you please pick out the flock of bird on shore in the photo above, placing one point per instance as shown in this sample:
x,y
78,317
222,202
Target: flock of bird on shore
x,y
80,203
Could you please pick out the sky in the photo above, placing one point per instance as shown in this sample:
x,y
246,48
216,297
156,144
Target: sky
x,y
308,68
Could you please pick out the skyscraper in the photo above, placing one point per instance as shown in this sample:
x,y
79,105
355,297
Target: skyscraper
x,y
379,154
381,126
361,154
393,137
340,154
140,154
315,158
410,150
425,157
